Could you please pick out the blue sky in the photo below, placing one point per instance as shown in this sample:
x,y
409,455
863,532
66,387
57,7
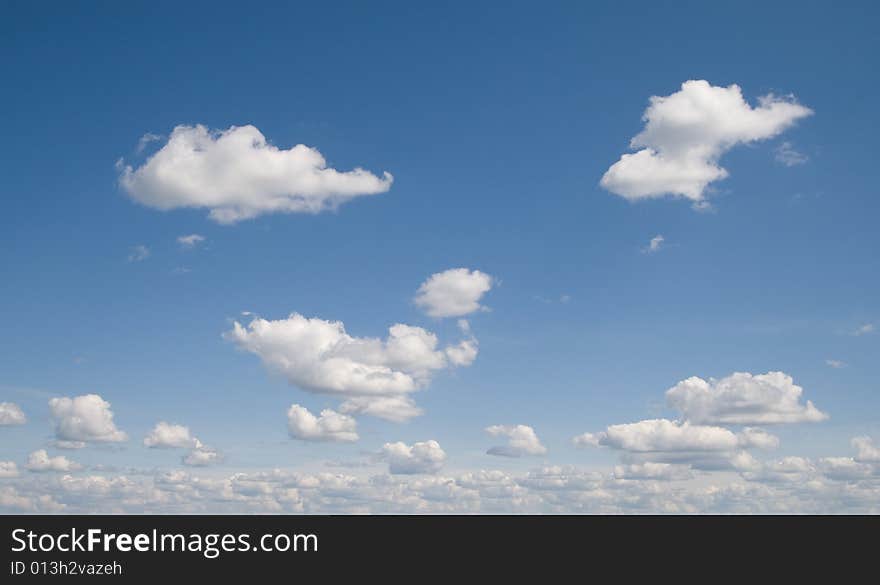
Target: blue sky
x,y
498,122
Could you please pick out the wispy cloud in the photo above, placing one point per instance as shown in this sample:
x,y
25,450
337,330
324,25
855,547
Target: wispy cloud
x,y
190,241
145,140
863,330
138,253
788,156
654,245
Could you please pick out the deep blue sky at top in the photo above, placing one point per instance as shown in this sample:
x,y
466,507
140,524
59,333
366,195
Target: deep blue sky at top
x,y
497,121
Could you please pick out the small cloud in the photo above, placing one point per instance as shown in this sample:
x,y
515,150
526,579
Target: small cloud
x,y
190,241
421,457
202,456
40,461
788,156
453,293
521,440
139,253
836,364
328,426
181,270
11,414
563,299
654,245
145,140
8,469
864,330
61,444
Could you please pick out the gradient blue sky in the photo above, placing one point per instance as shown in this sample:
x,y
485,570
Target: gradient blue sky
x,y
498,121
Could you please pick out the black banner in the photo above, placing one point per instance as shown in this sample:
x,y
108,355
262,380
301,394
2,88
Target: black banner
x,y
295,547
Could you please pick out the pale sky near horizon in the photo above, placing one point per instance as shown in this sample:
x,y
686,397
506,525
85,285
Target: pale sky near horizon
x,y
556,257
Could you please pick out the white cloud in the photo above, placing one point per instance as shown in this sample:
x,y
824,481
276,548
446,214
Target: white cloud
x,y
202,456
320,356
836,364
238,175
138,253
393,408
757,438
709,448
86,418
11,414
521,440
652,470
685,135
844,468
864,329
424,457
68,444
793,485
743,398
463,353
190,241
865,449
169,436
172,436
329,426
787,155
654,245
8,469
586,440
453,293
790,469
145,140
656,435
40,461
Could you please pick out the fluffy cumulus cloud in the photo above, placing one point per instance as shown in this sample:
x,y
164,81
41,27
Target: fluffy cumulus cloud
x,y
453,293
687,132
202,456
40,461
423,457
743,398
521,440
866,450
83,419
373,375
329,426
757,438
11,414
662,435
237,174
170,436
666,441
